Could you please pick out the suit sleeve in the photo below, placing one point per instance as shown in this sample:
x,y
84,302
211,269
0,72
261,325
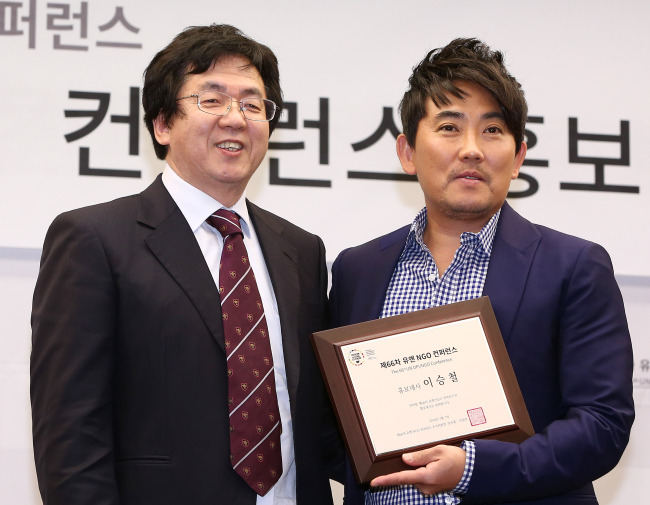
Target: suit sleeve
x,y
593,362
73,326
331,442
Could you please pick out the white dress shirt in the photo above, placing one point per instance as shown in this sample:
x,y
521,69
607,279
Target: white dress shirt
x,y
197,206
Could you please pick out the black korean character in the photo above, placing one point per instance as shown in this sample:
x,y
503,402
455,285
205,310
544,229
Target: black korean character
x,y
599,162
61,21
120,18
645,365
9,17
387,124
290,122
531,142
96,118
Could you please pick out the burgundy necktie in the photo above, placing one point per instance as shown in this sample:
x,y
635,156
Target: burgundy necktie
x,y
254,415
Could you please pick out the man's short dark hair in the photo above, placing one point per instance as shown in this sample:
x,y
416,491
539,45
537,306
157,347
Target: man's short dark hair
x,y
193,51
463,59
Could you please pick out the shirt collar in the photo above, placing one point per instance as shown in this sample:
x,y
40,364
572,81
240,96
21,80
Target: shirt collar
x,y
485,237
196,205
487,233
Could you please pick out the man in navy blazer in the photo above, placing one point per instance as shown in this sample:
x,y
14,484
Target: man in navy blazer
x,y
129,377
555,297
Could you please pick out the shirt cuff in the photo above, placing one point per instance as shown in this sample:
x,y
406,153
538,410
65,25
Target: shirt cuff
x,y
470,454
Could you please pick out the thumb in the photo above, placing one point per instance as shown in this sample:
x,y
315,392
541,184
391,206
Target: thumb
x,y
419,458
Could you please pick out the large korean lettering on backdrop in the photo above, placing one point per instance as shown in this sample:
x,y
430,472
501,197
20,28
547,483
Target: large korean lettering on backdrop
x,y
73,116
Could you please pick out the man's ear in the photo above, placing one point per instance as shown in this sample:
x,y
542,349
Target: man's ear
x,y
161,130
405,155
519,160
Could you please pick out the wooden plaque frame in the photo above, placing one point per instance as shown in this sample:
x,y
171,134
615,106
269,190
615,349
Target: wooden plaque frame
x,y
327,344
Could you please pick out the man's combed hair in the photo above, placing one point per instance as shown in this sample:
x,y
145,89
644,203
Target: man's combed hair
x,y
463,59
194,51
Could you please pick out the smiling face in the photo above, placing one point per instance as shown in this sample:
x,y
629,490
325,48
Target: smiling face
x,y
217,154
464,158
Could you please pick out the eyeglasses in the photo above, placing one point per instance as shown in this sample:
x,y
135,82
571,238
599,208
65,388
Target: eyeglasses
x,y
219,104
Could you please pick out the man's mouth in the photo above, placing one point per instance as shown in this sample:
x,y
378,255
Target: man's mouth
x,y
230,146
472,176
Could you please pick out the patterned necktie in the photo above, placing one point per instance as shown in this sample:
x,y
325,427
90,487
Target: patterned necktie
x,y
254,415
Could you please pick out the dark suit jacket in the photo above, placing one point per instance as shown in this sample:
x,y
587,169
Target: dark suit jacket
x,y
128,370
562,318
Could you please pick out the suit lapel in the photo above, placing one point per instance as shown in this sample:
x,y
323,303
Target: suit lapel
x,y
173,243
281,261
376,271
390,248
515,244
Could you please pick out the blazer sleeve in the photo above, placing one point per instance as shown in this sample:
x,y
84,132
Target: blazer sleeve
x,y
73,325
331,441
588,359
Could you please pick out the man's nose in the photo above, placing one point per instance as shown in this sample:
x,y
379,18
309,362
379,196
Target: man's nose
x,y
234,118
471,147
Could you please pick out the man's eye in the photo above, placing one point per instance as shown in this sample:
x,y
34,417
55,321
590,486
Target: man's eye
x,y
253,107
211,102
493,129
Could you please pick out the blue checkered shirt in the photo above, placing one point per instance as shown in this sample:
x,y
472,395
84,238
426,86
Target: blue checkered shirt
x,y
416,285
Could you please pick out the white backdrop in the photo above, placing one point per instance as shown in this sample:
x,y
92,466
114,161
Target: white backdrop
x,y
344,66
584,60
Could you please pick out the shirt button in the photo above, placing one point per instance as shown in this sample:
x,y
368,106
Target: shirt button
x,y
433,277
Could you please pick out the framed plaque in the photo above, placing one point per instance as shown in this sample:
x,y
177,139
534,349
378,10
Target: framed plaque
x,y
409,382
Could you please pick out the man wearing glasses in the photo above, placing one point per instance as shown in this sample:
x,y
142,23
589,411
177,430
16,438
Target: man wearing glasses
x,y
156,377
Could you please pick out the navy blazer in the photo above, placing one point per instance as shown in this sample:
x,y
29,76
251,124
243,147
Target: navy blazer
x,y
129,383
562,318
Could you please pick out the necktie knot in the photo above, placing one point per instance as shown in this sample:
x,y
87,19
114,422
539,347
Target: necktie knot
x,y
226,222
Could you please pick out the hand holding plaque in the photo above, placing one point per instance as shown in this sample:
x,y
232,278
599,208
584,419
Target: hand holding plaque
x,y
408,382
433,470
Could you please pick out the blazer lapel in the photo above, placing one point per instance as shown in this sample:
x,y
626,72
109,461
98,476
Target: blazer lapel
x,y
281,262
515,244
365,300
390,248
174,245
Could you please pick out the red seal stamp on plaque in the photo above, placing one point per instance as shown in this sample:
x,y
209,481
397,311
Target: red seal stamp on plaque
x,y
476,416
